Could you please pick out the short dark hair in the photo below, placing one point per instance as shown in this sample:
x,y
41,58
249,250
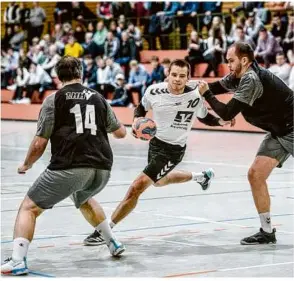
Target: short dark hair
x,y
243,49
180,63
155,58
240,27
280,54
68,69
166,61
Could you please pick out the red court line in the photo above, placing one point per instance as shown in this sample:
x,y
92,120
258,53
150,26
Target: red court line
x,y
47,246
190,273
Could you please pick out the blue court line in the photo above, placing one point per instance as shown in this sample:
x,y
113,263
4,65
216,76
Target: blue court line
x,y
42,274
154,227
160,198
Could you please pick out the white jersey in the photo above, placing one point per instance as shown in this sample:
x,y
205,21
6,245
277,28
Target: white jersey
x,y
174,115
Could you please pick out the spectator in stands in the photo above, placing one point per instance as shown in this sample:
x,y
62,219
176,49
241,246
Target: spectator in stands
x,y
166,18
122,25
252,26
281,69
241,36
103,84
165,63
157,74
36,55
111,46
73,48
113,28
24,16
18,38
196,48
121,8
45,43
89,72
138,78
209,8
5,41
240,21
79,33
63,12
81,13
88,45
279,28
217,23
23,60
135,34
267,48
37,80
288,42
187,14
21,80
99,38
214,55
57,32
113,69
37,19
11,15
91,27
120,97
127,51
103,11
9,64
51,60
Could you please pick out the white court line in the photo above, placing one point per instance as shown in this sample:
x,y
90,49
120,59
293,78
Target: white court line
x,y
255,266
186,161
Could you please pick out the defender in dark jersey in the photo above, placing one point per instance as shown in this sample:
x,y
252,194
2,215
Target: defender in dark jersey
x,y
77,120
266,102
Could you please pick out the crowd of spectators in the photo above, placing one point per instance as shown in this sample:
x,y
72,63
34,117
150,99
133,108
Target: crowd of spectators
x,y
109,44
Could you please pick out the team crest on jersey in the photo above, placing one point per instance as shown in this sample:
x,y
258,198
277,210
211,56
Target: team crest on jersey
x,y
84,95
159,91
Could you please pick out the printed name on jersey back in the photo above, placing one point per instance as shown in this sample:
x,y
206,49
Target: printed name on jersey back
x,y
85,94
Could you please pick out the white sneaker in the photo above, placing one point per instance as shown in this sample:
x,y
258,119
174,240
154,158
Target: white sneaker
x,y
116,248
24,101
12,267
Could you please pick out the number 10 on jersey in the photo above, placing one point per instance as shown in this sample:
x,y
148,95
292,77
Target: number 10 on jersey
x,y
90,119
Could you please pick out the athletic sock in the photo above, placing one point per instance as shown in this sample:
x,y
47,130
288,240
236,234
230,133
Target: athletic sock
x,y
198,177
20,248
265,219
106,231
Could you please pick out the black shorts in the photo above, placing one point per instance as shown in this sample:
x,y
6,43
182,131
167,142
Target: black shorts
x,y
162,158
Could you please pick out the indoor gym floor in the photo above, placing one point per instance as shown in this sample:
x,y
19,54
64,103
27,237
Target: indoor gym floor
x,y
175,231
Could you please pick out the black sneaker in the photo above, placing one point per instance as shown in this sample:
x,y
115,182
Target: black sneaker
x,y
261,237
94,239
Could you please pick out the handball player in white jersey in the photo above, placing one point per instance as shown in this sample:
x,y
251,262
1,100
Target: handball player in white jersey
x,y
175,107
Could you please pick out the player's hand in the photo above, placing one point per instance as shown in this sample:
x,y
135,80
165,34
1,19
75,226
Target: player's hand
x,y
133,128
203,87
229,122
23,168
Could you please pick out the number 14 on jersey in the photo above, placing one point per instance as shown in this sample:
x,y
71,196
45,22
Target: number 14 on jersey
x,y
90,119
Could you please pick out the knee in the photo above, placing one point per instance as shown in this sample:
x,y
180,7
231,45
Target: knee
x,y
254,175
29,206
137,188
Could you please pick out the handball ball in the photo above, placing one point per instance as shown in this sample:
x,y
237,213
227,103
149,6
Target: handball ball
x,y
145,128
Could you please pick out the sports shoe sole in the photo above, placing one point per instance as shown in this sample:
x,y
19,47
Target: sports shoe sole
x,y
16,272
118,252
256,243
94,243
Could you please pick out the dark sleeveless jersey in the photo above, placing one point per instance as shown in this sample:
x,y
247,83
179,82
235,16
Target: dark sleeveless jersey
x,y
269,99
78,119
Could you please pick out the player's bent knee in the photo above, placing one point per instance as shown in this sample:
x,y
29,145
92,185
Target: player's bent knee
x,y
139,186
29,205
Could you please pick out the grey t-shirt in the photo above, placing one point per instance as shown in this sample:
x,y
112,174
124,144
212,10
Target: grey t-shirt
x,y
46,119
247,90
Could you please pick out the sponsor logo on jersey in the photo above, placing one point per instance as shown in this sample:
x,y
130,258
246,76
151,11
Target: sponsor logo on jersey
x,y
84,95
184,116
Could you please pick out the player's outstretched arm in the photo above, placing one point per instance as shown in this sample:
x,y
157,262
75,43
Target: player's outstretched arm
x,y
36,150
225,111
211,120
216,88
120,133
